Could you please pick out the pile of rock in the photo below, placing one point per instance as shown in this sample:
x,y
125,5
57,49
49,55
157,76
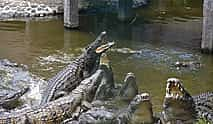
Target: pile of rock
x,y
20,8
41,8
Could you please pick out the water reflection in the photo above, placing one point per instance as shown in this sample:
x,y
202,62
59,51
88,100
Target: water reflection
x,y
171,33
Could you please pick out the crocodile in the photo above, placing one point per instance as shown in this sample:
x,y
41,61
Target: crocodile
x,y
180,107
83,66
193,65
111,116
58,110
108,93
10,100
204,106
105,90
109,89
15,77
129,88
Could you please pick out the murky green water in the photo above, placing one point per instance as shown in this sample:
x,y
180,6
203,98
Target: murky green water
x,y
166,31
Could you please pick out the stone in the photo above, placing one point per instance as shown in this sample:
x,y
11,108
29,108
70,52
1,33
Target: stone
x,y
34,5
28,8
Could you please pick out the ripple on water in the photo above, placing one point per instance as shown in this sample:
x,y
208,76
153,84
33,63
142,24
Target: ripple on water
x,y
59,57
53,62
162,56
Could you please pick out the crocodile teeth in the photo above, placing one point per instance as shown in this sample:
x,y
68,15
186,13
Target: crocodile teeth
x,y
168,85
167,95
145,96
178,85
177,96
167,90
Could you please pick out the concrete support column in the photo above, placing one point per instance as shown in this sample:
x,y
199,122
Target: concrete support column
x,y
207,34
71,15
125,10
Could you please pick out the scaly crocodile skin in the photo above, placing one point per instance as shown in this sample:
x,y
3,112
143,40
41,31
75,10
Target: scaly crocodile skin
x,y
56,111
70,77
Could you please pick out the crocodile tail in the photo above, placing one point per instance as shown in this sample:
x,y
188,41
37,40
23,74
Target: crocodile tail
x,y
206,115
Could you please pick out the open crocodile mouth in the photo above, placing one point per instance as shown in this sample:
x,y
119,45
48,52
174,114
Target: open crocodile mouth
x,y
104,47
174,89
129,76
143,97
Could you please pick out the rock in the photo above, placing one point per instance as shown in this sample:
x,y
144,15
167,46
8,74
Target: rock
x,y
32,8
6,8
17,8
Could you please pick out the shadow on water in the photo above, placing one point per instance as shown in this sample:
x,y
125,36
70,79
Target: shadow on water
x,y
164,32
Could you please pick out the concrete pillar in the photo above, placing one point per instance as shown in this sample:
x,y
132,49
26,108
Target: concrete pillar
x,y
162,6
125,10
71,16
207,34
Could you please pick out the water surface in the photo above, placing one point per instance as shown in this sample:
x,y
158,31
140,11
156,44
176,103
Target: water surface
x,y
164,32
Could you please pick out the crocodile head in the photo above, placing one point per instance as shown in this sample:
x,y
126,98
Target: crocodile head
x,y
143,106
129,88
93,52
105,90
138,100
96,80
178,104
125,115
12,100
